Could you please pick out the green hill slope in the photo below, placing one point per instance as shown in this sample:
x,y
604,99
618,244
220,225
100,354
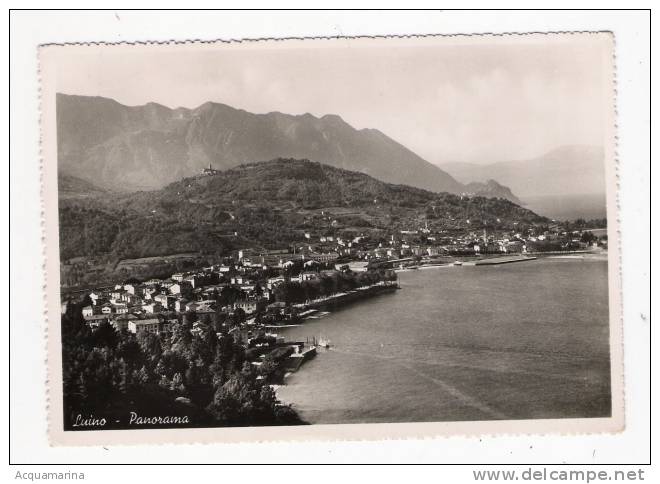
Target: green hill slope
x,y
268,204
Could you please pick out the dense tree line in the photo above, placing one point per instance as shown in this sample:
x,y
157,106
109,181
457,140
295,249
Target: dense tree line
x,y
87,231
105,231
109,374
292,292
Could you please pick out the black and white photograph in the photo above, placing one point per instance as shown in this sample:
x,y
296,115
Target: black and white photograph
x,y
320,232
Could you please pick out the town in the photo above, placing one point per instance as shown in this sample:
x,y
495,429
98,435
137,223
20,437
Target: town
x,y
255,289
210,339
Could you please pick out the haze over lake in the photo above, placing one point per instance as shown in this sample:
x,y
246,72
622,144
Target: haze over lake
x,y
568,207
516,341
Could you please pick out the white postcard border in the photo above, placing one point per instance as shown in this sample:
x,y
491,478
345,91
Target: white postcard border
x,y
615,423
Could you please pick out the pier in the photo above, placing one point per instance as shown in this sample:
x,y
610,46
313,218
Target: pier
x,y
348,296
503,260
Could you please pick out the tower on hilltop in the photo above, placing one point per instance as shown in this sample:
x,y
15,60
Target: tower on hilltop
x,y
209,170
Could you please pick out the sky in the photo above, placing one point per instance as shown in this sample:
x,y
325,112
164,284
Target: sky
x,y
449,99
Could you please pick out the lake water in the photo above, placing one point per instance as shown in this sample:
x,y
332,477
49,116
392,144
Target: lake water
x,y
568,207
514,341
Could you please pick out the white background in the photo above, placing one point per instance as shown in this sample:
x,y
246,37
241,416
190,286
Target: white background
x,y
27,391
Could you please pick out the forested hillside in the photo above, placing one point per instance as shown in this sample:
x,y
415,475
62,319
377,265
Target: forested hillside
x,y
268,204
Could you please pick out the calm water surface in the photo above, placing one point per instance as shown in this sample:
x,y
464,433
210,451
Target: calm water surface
x,y
515,341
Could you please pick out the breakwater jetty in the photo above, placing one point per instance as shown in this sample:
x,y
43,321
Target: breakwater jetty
x,y
300,356
349,296
503,260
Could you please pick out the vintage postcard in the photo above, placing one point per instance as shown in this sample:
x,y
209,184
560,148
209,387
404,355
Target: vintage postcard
x,y
345,238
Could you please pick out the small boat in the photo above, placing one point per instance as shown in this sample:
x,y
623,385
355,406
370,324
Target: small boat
x,y
324,343
458,263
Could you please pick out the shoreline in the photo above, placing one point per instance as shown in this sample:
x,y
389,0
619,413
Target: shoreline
x,y
571,256
505,259
349,296
336,299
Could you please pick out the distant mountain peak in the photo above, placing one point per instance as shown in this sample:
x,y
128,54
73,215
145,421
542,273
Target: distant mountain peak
x,y
333,118
491,189
149,146
565,170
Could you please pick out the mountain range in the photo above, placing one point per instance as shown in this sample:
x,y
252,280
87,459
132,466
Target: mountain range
x,y
568,170
146,147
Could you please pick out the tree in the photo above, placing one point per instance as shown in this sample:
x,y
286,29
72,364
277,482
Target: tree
x,y
130,351
104,336
150,345
588,237
177,383
206,318
230,295
141,377
239,316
